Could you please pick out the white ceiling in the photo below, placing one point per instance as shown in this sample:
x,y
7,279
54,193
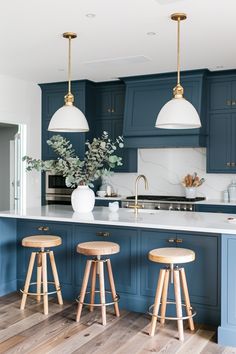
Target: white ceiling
x,y
115,42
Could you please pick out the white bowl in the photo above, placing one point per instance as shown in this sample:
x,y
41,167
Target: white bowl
x,y
101,193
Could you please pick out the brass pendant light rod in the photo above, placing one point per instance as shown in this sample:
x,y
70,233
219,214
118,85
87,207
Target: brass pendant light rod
x,y
178,90
69,98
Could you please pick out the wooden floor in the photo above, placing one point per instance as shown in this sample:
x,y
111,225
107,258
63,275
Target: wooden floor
x,y
30,331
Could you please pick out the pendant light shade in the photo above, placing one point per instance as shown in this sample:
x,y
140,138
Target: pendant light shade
x,y
178,113
68,118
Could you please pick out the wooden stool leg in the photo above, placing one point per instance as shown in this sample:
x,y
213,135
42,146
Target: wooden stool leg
x,y
113,289
27,280
39,276
186,298
102,292
157,301
45,283
164,296
83,289
93,285
178,304
55,276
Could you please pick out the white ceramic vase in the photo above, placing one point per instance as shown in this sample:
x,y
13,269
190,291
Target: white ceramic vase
x,y
190,192
83,199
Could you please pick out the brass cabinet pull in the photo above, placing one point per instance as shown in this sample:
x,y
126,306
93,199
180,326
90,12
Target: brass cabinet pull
x,y
112,110
228,164
103,233
179,240
233,103
43,228
171,240
228,102
232,164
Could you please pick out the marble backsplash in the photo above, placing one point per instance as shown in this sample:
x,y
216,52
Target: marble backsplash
x,y
165,168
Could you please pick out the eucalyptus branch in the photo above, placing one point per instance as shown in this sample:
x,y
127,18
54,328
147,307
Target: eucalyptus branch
x,y
99,159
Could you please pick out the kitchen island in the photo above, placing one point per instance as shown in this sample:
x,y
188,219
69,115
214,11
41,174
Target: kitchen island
x,y
211,278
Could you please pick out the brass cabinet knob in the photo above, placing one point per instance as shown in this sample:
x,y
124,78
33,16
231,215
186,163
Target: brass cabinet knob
x,y
228,102
179,240
228,164
112,110
233,103
43,228
103,233
232,164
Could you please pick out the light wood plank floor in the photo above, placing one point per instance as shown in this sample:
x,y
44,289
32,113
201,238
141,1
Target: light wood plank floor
x,y
30,331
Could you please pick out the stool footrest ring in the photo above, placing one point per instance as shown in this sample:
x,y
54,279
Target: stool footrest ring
x,y
117,299
172,318
48,293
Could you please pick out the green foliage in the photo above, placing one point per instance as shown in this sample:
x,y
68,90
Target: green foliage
x,y
98,161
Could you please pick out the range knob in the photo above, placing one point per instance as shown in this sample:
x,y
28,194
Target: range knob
x,y
171,207
184,207
190,208
158,206
178,207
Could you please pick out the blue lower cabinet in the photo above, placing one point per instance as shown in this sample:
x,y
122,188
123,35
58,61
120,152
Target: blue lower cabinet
x,y
124,263
62,253
207,208
8,251
150,270
227,329
203,275
105,202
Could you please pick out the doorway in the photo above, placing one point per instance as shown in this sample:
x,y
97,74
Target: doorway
x,y
11,167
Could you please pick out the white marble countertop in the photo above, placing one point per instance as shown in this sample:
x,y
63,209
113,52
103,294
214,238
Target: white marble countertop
x,y
154,219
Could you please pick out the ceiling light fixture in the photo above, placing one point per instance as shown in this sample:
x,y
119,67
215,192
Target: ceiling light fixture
x,y
178,113
90,15
68,118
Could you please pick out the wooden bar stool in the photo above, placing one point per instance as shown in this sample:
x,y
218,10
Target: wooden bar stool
x,y
97,249
42,242
171,256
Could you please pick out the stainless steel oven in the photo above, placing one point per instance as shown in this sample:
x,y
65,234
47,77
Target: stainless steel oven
x,y
56,191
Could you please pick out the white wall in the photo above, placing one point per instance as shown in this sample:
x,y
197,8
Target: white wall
x,y
165,168
20,103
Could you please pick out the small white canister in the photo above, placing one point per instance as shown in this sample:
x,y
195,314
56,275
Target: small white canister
x,y
190,192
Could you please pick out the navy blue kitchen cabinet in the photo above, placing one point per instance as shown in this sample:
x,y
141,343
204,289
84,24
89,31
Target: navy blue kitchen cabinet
x,y
63,253
52,99
222,89
110,102
208,208
124,263
105,202
8,252
146,95
221,152
203,274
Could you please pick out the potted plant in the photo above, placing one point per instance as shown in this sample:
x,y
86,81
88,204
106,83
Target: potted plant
x,y
98,161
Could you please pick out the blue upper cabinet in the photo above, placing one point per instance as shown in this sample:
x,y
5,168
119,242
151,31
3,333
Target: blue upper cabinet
x,y
109,108
146,95
52,99
222,93
221,152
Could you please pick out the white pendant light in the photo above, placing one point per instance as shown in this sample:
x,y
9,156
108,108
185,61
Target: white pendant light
x,y
68,118
178,113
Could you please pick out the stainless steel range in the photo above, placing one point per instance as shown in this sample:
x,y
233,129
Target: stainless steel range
x,y
162,202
